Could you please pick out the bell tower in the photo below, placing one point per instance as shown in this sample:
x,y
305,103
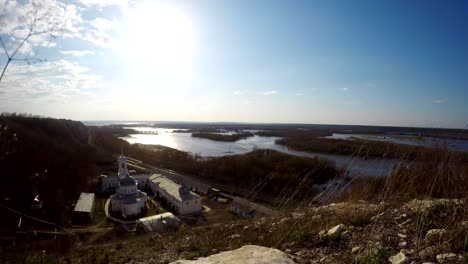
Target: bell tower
x,y
122,166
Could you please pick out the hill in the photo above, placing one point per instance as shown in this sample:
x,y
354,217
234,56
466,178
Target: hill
x,y
44,157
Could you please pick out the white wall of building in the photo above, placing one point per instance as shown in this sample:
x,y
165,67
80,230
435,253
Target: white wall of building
x,y
184,207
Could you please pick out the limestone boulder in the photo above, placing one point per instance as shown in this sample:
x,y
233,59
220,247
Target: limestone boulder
x,y
246,254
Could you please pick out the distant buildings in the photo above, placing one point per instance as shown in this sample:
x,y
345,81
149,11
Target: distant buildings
x,y
83,212
177,198
129,201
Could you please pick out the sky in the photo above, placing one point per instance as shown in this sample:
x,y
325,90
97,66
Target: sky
x,y
396,63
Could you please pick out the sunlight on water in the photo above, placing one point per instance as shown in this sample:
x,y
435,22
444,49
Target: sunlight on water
x,y
209,148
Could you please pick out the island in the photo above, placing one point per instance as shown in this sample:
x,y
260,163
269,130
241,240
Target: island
x,y
223,137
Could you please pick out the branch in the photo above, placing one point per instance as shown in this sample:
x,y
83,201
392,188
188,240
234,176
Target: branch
x,y
1,39
4,47
39,21
20,45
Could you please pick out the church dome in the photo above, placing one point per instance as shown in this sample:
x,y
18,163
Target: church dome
x,y
128,181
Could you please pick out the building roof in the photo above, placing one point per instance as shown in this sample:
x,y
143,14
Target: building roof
x,y
242,204
85,203
159,221
179,192
128,181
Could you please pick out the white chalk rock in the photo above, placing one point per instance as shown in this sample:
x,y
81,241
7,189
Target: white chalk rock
x,y
336,230
399,258
246,254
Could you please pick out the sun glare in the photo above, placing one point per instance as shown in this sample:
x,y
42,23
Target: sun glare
x,y
159,38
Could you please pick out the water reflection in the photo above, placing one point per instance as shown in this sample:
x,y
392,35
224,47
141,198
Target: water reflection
x,y
209,148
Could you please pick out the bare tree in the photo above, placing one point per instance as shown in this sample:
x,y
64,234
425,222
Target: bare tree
x,y
38,21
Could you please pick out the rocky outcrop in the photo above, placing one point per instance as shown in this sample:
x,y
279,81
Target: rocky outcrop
x,y
245,254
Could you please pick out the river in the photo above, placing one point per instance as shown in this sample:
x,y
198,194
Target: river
x,y
210,148
429,142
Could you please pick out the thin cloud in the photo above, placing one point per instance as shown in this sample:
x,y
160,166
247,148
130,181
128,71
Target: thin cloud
x,y
272,92
438,101
345,89
237,93
104,3
77,53
58,80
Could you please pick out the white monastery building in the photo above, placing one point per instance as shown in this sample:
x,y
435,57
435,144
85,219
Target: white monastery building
x,y
127,200
177,197
110,184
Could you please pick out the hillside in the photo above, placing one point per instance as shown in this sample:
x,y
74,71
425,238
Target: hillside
x,y
350,232
368,220
46,157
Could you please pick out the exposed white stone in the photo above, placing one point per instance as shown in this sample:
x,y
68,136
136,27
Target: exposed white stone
x,y
407,251
399,258
355,249
402,235
435,234
235,236
402,244
446,257
322,233
336,230
246,254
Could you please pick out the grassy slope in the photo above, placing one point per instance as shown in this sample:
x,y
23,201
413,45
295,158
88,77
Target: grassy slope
x,y
377,229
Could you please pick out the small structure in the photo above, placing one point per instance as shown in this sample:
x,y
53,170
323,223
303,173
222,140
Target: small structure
x,y
83,212
161,222
177,198
242,207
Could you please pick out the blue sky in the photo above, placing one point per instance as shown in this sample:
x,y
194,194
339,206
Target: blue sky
x,y
401,63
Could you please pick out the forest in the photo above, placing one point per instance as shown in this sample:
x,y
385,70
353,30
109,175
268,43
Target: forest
x,y
360,148
45,157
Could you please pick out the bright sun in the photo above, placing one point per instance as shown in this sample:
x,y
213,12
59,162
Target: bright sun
x,y
159,37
